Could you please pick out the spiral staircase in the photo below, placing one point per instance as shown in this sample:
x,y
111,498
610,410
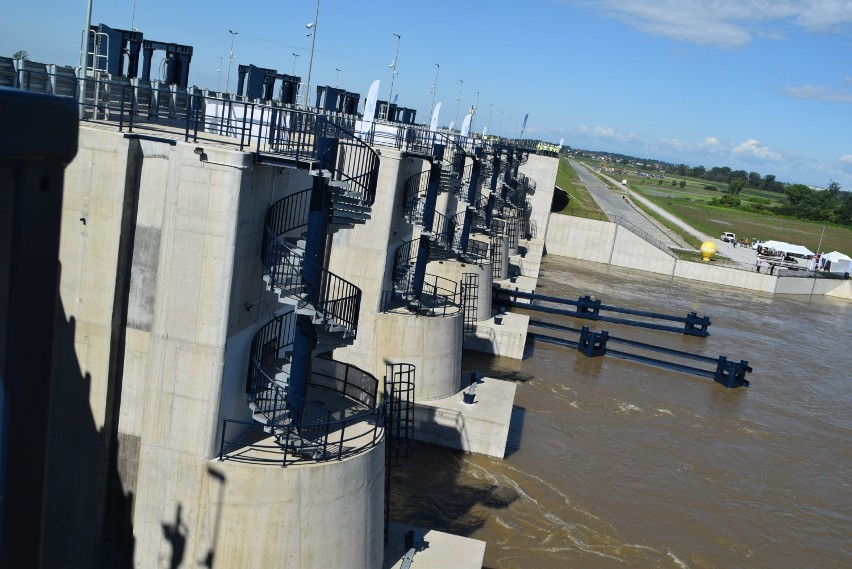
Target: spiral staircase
x,y
321,309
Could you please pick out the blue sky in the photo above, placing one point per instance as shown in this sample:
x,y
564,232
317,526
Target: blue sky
x,y
758,85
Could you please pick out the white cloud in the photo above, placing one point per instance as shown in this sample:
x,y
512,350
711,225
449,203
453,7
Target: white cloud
x,y
605,132
752,147
847,158
819,93
675,143
726,23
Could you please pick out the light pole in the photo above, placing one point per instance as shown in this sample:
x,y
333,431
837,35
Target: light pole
x,y
295,55
458,100
491,112
230,60
475,107
500,130
337,79
219,78
435,87
393,66
312,26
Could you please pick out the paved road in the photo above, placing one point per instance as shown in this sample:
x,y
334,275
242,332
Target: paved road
x,y
613,203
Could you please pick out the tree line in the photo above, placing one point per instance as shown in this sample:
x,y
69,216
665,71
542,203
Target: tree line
x,y
831,205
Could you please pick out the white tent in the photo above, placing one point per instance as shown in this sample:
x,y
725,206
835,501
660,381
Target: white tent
x,y
840,263
787,248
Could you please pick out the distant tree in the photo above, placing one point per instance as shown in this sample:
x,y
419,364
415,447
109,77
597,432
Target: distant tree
x,y
739,174
682,184
730,200
754,180
659,182
735,186
674,183
21,54
799,194
833,189
770,184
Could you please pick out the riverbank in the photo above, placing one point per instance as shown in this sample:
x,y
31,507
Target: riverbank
x,y
610,244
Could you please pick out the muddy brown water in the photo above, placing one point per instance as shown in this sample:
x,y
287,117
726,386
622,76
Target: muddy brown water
x,y
613,463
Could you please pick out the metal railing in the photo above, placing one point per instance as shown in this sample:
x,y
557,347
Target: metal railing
x,y
320,434
336,301
333,440
271,130
438,296
415,195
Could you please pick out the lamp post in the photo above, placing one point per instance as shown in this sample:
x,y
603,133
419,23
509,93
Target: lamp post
x,y
435,87
458,100
500,130
230,60
491,112
219,78
393,66
475,107
295,55
312,26
337,79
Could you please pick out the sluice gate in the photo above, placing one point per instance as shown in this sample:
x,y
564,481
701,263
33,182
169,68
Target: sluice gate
x,y
592,344
590,309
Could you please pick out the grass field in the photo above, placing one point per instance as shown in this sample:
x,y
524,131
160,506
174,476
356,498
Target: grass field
x,y
692,204
580,199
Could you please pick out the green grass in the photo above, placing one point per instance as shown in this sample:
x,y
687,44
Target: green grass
x,y
690,239
714,220
581,202
692,204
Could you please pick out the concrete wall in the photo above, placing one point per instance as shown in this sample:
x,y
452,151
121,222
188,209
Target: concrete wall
x,y
364,254
543,170
319,515
608,243
455,271
161,293
432,344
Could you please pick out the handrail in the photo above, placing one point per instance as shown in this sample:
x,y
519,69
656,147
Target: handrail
x,y
317,436
355,161
287,215
272,130
336,300
439,296
444,231
415,193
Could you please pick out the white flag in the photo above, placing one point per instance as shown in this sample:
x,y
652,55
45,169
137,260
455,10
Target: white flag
x,y
433,124
465,129
370,107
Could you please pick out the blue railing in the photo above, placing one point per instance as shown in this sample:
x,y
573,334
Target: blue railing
x,y
320,434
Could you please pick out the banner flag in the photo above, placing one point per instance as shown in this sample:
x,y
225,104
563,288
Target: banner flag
x,y
433,124
370,107
523,126
465,129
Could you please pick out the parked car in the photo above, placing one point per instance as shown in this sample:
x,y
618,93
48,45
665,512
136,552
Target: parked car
x,y
728,237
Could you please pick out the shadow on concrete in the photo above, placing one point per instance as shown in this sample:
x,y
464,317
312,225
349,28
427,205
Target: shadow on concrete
x,y
88,511
220,479
175,534
516,429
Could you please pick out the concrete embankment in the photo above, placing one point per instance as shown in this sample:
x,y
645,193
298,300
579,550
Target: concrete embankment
x,y
605,242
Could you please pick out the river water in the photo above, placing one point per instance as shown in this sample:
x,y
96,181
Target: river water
x,y
613,463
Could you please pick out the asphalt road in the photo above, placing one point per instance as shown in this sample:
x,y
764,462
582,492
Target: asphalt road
x,y
616,203
613,203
